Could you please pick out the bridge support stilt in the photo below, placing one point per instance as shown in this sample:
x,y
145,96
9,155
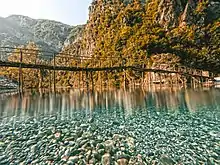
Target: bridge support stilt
x,y
50,85
149,78
87,80
124,78
91,74
171,79
54,72
142,75
40,79
20,80
20,73
177,79
82,79
106,79
160,79
79,79
54,80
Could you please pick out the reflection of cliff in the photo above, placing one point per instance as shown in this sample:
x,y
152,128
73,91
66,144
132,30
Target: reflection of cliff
x,y
199,98
130,101
165,98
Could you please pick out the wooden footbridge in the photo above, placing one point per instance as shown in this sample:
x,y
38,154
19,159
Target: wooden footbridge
x,y
43,60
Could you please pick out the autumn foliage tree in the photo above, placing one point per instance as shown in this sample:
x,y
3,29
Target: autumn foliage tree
x,y
29,56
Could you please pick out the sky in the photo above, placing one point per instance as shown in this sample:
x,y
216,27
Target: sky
x,y
72,12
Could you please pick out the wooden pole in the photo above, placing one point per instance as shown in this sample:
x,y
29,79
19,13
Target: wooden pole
x,y
142,75
177,79
171,79
79,79
20,73
194,83
106,78
160,79
124,78
87,80
124,71
54,72
40,78
82,79
111,73
50,79
100,79
91,73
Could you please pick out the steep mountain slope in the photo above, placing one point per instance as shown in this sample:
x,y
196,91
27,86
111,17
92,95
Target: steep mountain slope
x,y
139,29
49,35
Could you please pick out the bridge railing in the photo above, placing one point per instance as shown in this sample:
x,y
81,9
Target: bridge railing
x,y
183,70
37,57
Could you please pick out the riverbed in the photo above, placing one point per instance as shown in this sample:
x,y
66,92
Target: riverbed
x,y
115,126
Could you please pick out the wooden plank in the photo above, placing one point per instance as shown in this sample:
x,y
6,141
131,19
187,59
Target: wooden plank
x,y
20,72
54,72
63,68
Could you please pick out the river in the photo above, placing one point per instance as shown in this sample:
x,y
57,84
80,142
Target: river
x,y
149,126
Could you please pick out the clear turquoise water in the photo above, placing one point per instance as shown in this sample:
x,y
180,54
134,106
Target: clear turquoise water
x,y
156,126
133,101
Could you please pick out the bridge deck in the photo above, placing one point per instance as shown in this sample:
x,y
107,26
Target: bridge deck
x,y
94,69
36,59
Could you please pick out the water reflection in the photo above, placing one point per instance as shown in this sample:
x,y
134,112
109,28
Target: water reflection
x,y
130,101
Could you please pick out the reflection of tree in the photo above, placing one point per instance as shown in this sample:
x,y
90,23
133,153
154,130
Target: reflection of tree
x,y
165,99
129,101
200,98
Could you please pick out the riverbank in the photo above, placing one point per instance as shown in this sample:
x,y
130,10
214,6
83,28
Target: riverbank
x,y
111,137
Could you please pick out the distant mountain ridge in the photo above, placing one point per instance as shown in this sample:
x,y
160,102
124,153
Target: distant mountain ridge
x,y
49,35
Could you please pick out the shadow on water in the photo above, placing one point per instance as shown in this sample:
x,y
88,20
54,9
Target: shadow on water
x,y
129,101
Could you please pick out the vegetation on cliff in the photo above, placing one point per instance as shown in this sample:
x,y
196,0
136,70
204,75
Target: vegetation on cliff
x,y
134,30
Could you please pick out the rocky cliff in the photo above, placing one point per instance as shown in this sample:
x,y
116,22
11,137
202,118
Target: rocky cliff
x,y
136,28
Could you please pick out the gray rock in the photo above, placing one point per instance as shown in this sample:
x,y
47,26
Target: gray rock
x,y
122,161
70,163
33,148
101,151
109,145
73,159
106,159
166,160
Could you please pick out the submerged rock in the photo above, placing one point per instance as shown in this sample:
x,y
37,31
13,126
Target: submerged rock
x,y
165,139
106,159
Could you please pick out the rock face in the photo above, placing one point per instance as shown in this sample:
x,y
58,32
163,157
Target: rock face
x,y
136,30
75,35
49,35
167,13
172,13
